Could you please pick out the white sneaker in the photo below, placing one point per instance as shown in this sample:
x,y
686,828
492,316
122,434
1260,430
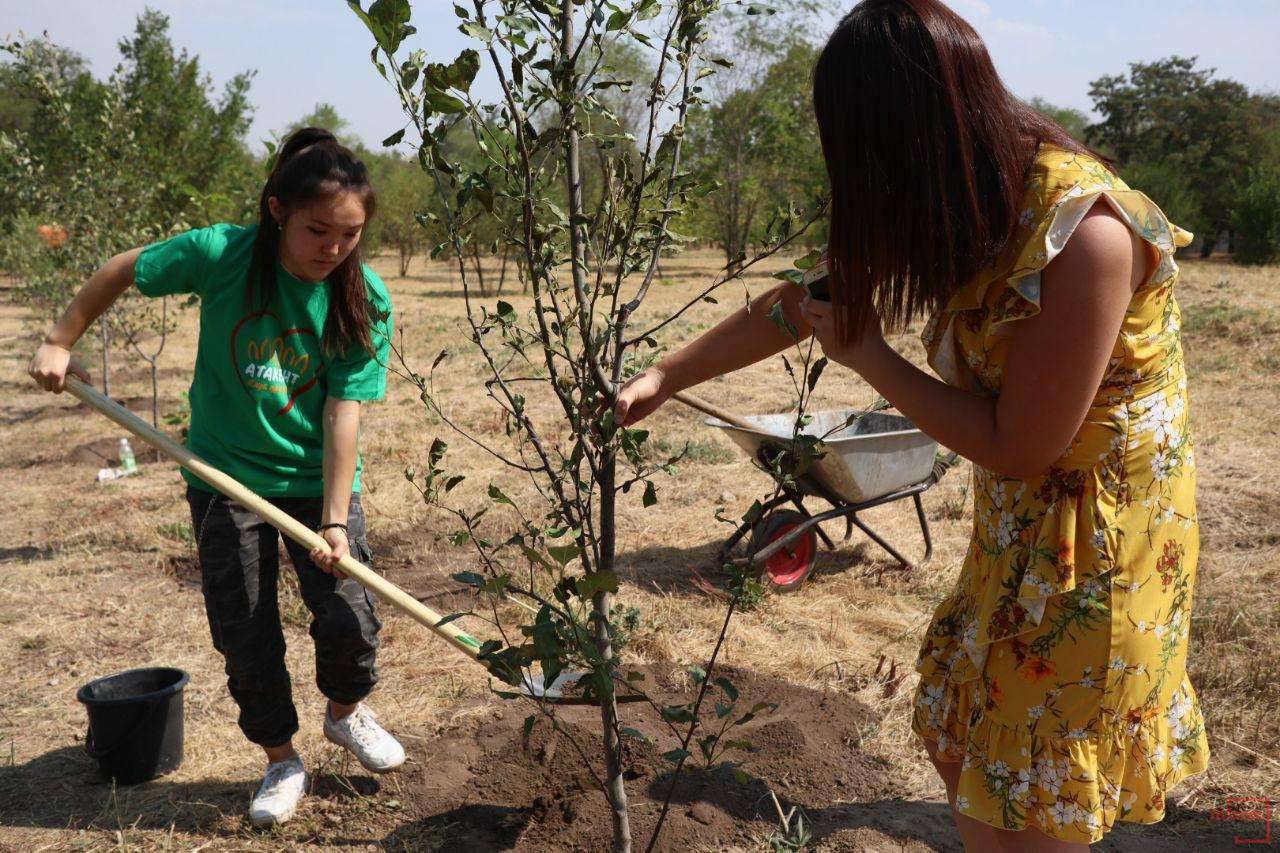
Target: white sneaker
x,y
282,787
360,734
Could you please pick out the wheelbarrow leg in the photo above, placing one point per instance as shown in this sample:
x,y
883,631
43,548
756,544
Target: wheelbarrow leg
x,y
924,528
831,546
875,537
747,526
732,541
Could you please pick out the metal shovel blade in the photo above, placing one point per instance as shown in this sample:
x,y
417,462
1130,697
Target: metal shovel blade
x,y
534,686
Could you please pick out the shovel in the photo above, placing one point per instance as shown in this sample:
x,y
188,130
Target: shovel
x,y
532,686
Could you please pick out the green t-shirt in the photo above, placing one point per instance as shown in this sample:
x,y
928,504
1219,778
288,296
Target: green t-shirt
x,y
261,377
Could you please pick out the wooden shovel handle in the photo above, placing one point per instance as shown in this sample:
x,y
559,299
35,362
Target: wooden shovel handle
x,y
289,526
711,409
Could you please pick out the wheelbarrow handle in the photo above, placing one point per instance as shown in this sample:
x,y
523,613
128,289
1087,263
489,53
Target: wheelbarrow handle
x,y
944,463
289,526
713,410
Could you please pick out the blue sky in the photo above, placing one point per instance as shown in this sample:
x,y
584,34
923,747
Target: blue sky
x,y
309,51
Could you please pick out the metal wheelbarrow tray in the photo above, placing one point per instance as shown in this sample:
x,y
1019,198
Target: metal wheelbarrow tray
x,y
880,458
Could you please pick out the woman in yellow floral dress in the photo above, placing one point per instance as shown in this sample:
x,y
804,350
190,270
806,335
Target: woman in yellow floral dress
x,y
1053,695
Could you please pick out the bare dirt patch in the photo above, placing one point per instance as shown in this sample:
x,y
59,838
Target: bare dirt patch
x,y
503,786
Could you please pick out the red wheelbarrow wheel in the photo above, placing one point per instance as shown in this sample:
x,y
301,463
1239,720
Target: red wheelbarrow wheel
x,y
789,567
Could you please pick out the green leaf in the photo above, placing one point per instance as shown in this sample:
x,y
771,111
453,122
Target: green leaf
x,y
440,102
727,686
779,318
394,138
462,71
564,554
630,731
793,276
496,494
648,10
533,556
452,616
589,585
438,448
506,313
698,673
469,578
809,261
677,714
387,20
675,756
477,32
650,494
815,371
755,709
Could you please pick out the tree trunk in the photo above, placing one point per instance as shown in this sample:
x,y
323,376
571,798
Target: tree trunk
x,y
614,787
475,262
155,394
1210,240
105,334
601,604
155,403
406,255
502,272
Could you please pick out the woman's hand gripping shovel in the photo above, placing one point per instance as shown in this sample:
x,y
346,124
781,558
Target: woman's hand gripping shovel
x,y
525,683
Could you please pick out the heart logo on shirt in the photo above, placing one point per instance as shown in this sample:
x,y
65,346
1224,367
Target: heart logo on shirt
x,y
269,360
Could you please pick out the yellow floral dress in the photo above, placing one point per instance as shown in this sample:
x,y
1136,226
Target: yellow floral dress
x,y
1056,671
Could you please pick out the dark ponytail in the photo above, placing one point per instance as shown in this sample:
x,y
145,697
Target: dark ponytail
x,y
312,166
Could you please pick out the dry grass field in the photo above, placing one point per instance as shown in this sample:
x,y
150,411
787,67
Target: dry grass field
x,y
99,578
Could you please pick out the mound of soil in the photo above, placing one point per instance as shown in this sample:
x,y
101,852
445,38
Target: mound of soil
x,y
100,453
501,783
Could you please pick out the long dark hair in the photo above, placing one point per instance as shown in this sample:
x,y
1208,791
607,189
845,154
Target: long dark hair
x,y
311,166
928,155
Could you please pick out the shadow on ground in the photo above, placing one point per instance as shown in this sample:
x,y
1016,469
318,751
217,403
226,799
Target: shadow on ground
x,y
63,789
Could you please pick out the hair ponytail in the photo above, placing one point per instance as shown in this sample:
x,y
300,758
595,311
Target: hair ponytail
x,y
312,166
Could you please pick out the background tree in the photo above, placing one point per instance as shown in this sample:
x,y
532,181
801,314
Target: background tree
x,y
1072,120
755,140
324,115
24,108
1198,128
102,210
404,194
190,138
113,165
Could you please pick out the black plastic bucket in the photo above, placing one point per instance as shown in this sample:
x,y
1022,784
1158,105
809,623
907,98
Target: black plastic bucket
x,y
135,722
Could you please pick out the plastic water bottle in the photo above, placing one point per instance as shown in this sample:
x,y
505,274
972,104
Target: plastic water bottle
x,y
127,459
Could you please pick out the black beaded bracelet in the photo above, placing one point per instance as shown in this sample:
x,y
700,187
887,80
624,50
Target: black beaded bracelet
x,y
325,527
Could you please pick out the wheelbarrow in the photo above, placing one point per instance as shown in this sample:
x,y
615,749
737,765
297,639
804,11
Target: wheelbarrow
x,y
871,459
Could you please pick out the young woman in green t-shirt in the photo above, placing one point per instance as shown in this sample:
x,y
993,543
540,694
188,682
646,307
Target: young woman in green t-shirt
x,y
294,333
